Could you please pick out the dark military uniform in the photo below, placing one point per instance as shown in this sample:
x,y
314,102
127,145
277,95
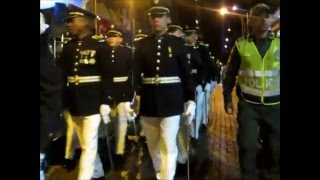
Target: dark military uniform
x,y
87,87
119,63
85,58
163,56
165,85
162,73
198,66
210,80
212,70
199,74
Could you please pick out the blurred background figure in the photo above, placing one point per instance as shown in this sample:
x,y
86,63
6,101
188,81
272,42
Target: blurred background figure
x,y
50,95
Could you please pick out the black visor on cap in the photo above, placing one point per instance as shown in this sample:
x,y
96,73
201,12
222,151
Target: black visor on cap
x,y
113,33
189,32
74,11
173,28
158,11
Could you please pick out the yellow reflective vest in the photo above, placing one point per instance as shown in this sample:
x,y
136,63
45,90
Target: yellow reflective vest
x,y
259,76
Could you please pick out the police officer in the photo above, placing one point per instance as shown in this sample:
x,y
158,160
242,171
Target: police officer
x,y
120,64
83,61
256,61
166,85
50,95
199,76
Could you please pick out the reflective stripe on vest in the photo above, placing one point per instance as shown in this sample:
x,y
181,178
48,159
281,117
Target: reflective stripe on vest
x,y
259,93
268,73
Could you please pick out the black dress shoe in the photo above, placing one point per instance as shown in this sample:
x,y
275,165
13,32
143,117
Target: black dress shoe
x,y
181,170
119,161
69,164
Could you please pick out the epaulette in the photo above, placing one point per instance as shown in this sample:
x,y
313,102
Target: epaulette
x,y
99,38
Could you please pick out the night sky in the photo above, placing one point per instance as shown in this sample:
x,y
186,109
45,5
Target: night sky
x,y
213,26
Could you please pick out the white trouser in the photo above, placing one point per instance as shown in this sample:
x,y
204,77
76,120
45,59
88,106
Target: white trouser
x,y
161,136
42,175
195,125
182,140
206,107
87,127
121,125
72,141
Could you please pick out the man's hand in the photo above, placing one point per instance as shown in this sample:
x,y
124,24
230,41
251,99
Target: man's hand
x,y
104,112
189,111
136,104
228,107
129,112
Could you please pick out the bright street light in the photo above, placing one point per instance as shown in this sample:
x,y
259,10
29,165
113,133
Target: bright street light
x,y
234,8
223,11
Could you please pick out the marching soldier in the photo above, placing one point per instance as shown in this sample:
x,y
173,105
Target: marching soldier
x,y
182,136
87,95
256,61
211,78
199,75
165,87
175,30
119,62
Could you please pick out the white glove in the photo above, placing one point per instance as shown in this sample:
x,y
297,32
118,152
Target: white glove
x,y
207,88
43,25
199,89
129,112
104,112
189,111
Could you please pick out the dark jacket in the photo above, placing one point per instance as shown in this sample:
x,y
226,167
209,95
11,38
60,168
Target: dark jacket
x,y
163,56
50,94
119,63
84,58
